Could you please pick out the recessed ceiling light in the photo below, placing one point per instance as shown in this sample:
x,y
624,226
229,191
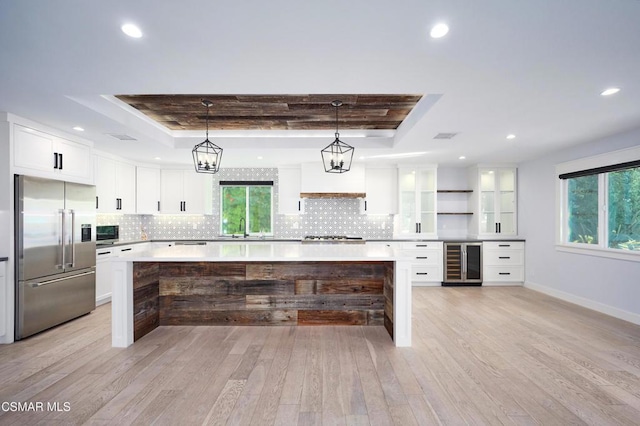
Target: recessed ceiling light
x,y
157,158
259,157
131,30
462,157
610,91
511,136
78,129
439,30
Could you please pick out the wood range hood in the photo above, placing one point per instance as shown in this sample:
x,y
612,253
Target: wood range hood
x,y
317,184
333,195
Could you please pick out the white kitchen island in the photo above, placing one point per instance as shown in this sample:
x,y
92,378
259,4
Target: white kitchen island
x,y
278,283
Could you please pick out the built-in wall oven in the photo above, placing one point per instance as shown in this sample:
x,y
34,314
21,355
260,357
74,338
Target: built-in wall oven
x,y
462,263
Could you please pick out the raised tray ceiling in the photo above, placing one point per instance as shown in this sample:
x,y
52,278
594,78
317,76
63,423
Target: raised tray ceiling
x,y
275,112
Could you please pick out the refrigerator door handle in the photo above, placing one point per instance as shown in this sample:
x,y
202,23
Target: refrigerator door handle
x,y
42,283
61,241
73,239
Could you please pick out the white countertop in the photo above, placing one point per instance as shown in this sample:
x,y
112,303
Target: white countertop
x,y
264,251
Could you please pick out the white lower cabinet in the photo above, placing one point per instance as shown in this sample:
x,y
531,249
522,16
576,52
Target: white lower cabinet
x,y
103,268
503,263
103,274
427,263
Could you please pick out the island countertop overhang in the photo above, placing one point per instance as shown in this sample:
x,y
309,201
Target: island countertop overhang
x,y
263,251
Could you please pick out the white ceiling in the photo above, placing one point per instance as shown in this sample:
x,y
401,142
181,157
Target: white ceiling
x,y
534,68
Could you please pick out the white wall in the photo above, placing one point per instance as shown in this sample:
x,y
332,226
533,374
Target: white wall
x,y
608,285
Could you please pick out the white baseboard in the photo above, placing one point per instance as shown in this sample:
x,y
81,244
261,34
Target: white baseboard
x,y
586,303
106,298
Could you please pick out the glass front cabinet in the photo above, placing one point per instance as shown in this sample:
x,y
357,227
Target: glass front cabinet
x,y
495,201
417,201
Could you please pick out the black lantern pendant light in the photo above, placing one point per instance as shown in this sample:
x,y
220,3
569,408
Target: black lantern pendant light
x,y
337,156
207,155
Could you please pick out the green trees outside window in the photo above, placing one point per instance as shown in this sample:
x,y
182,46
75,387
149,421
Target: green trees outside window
x,y
583,209
246,209
622,217
624,209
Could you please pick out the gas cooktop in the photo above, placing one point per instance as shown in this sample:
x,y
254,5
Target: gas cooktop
x,y
332,239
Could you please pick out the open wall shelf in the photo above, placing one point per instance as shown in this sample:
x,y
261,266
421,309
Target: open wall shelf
x,y
455,191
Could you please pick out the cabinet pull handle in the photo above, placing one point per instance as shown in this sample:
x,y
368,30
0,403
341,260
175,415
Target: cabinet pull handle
x,y
420,228
496,228
126,249
421,257
422,245
499,228
299,205
416,227
504,245
104,252
55,160
422,273
158,205
365,205
60,161
504,257
96,202
504,273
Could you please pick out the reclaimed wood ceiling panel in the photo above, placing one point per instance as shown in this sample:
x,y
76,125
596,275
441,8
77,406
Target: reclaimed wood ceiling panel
x,y
275,112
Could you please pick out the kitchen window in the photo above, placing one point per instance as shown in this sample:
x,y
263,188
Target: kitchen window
x,y
246,208
600,205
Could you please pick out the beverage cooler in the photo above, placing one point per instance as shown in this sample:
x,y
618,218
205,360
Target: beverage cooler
x,y
462,264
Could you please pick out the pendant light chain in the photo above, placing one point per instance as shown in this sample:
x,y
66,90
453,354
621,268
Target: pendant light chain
x,y
337,133
207,123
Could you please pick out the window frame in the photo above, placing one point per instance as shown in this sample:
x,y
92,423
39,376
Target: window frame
x,y
246,185
601,249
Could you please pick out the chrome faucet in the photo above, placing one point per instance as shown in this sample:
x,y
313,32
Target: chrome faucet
x,y
244,229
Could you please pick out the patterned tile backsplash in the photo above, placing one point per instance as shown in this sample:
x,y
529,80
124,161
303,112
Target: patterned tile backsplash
x,y
321,217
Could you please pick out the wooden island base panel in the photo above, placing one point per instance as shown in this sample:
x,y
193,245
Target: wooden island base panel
x,y
262,293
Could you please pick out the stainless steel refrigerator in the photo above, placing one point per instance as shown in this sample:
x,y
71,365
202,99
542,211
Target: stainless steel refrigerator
x,y
55,252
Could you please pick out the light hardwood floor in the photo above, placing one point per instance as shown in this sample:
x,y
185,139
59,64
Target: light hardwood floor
x,y
493,356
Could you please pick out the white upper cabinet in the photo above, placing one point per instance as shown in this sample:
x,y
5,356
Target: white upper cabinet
x,y
45,155
115,186
185,192
316,180
147,190
289,201
417,202
495,201
381,187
